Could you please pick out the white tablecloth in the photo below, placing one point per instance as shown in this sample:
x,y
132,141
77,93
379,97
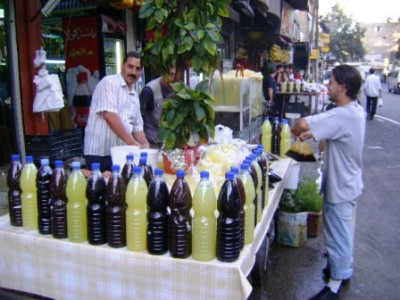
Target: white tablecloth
x,y
61,269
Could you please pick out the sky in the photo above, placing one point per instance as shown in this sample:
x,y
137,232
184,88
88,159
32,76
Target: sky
x,y
364,11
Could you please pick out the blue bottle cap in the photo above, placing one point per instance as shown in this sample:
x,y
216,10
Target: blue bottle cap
x,y
29,159
266,118
158,172
58,164
115,168
143,161
180,173
235,170
244,166
137,170
129,157
15,157
143,154
44,162
76,165
229,176
204,174
95,166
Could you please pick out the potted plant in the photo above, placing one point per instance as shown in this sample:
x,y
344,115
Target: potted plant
x,y
308,192
292,220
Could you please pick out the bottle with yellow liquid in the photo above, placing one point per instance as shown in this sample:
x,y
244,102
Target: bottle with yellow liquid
x,y
136,213
204,222
249,210
29,195
266,135
76,205
286,138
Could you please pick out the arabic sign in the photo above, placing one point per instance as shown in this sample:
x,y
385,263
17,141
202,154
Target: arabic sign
x,y
81,39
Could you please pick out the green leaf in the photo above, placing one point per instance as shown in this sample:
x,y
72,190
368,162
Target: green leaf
x,y
200,34
170,116
159,3
214,35
170,141
190,26
188,41
223,11
209,26
146,10
159,16
200,113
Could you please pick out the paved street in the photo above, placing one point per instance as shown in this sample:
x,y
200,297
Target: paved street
x,y
295,273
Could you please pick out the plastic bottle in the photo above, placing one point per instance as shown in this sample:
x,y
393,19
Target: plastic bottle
x,y
136,221
275,140
228,222
263,162
285,139
29,195
81,100
257,167
242,196
14,190
266,135
96,207
127,170
116,209
43,180
204,222
145,155
157,214
249,209
76,206
59,201
180,221
254,176
147,171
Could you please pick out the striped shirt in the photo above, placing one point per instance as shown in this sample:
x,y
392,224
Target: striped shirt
x,y
112,95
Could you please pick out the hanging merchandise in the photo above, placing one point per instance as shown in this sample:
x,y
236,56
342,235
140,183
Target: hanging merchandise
x,y
49,96
121,4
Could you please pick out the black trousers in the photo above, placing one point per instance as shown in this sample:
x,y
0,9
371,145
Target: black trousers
x,y
371,106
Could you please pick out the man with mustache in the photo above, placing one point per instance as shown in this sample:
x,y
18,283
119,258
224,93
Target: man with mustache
x,y
114,117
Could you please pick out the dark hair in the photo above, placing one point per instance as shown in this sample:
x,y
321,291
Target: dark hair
x,y
371,71
134,54
350,77
268,68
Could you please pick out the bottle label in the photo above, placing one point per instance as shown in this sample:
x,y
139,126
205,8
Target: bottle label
x,y
81,116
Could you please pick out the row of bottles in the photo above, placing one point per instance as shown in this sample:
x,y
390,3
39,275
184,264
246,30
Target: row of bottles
x,y
276,137
142,215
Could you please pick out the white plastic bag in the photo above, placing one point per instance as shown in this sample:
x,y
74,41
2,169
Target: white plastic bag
x,y
49,96
380,102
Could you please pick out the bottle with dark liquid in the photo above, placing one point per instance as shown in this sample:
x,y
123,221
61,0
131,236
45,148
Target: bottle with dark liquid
x,y
147,170
276,137
242,196
157,215
180,221
96,208
58,205
145,155
263,162
127,170
81,100
14,190
116,209
228,222
43,180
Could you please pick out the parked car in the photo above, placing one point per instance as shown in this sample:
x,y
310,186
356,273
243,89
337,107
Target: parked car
x,y
393,81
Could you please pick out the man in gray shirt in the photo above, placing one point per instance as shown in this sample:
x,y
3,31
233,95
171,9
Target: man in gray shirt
x,y
343,130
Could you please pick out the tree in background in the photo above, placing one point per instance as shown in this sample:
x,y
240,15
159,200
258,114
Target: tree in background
x,y
345,35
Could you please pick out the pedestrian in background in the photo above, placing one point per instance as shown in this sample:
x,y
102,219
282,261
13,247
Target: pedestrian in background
x,y
152,98
114,117
269,85
373,90
343,130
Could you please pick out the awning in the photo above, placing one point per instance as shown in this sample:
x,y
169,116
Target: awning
x,y
299,4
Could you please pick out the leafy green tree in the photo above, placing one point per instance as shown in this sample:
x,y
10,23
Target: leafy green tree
x,y
183,31
345,35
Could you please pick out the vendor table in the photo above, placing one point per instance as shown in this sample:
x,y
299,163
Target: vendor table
x,y
61,269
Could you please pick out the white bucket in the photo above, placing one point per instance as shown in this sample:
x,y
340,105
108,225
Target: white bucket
x,y
293,179
118,155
